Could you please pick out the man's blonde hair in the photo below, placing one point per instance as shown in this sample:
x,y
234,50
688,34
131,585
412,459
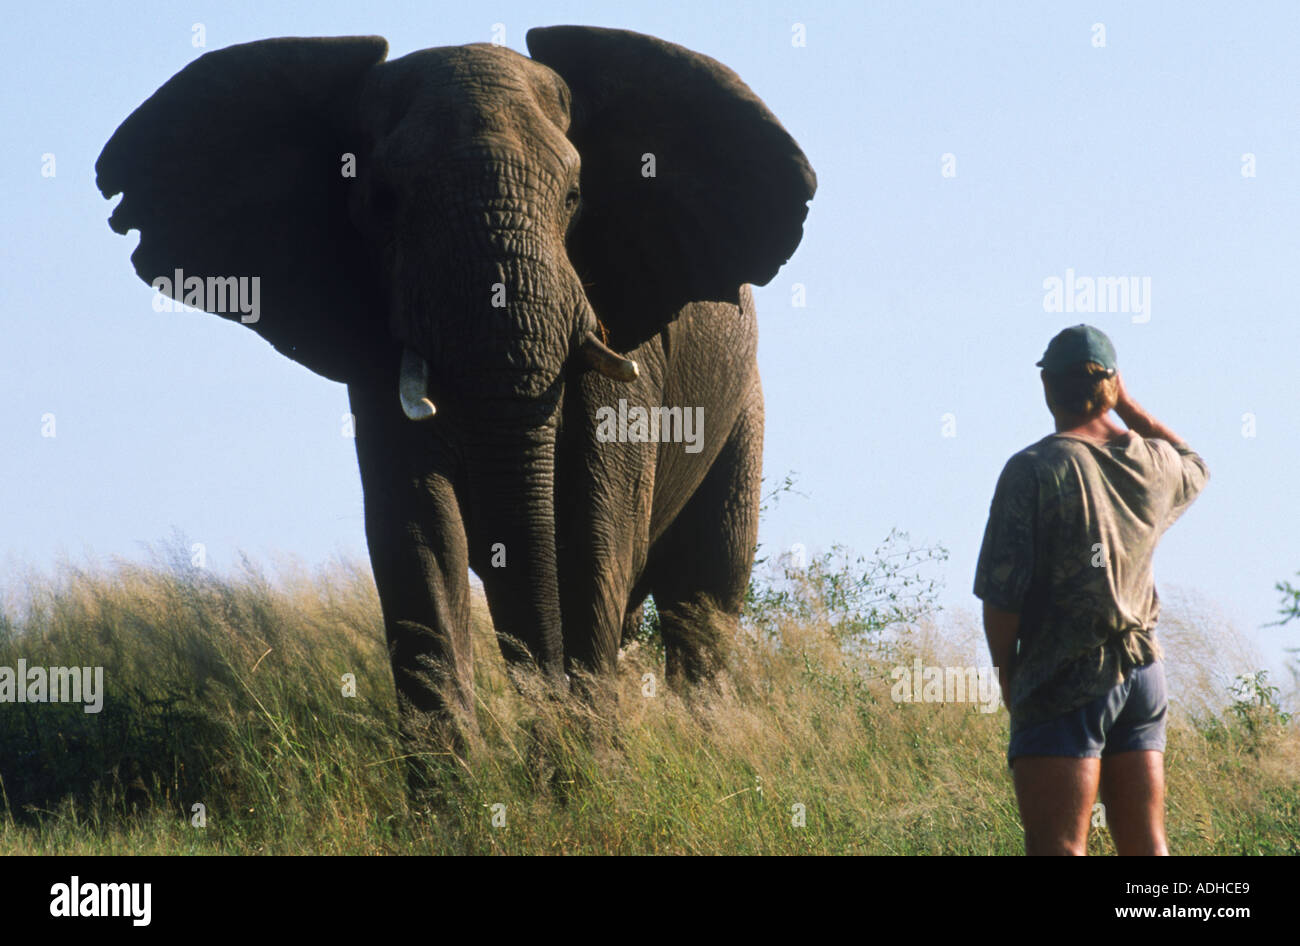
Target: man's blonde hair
x,y
1082,391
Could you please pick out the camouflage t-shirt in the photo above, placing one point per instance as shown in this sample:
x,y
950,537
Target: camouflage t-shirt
x,y
1068,546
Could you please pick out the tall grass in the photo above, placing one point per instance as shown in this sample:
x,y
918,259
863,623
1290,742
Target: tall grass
x,y
228,692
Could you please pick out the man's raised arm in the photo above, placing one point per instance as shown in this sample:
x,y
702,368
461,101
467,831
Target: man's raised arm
x,y
1138,420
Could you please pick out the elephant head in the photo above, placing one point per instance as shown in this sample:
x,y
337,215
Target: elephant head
x,y
466,227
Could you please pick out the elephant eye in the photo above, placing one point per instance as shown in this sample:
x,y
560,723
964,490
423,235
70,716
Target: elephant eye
x,y
571,199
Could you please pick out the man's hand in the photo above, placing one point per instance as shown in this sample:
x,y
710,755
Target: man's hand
x,y
1123,405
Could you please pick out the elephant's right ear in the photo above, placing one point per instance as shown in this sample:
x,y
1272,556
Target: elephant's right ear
x,y
690,185
235,168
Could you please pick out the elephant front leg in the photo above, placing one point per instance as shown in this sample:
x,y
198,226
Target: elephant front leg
x,y
421,572
420,562
699,570
606,491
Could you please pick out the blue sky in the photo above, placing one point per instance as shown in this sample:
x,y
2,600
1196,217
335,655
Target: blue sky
x,y
924,291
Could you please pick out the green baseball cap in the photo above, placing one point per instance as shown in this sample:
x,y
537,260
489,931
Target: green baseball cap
x,y
1078,345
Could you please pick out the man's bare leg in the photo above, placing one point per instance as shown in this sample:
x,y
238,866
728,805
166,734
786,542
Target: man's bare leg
x,y
1133,791
1055,795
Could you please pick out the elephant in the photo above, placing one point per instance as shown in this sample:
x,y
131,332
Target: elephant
x,y
510,261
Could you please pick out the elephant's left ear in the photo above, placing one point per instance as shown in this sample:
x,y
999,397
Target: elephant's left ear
x,y
690,186
235,172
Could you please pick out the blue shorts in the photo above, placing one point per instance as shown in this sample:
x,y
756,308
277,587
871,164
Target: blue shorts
x,y
1128,718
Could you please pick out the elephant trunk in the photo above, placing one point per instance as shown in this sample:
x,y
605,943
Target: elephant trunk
x,y
511,526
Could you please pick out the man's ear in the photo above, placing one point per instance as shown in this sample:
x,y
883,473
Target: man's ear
x,y
235,168
690,186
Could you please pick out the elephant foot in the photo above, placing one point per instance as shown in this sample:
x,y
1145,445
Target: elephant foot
x,y
434,748
696,635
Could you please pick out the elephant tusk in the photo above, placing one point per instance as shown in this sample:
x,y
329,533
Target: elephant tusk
x,y
413,387
607,362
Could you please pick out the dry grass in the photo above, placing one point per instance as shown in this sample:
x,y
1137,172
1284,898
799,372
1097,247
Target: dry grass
x,y
228,692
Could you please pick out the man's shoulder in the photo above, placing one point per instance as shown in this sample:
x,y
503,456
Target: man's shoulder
x,y
1027,467
1052,462
1049,452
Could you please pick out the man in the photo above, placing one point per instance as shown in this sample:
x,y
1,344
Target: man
x,y
1070,606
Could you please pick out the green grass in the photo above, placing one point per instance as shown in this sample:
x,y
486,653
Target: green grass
x,y
227,691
